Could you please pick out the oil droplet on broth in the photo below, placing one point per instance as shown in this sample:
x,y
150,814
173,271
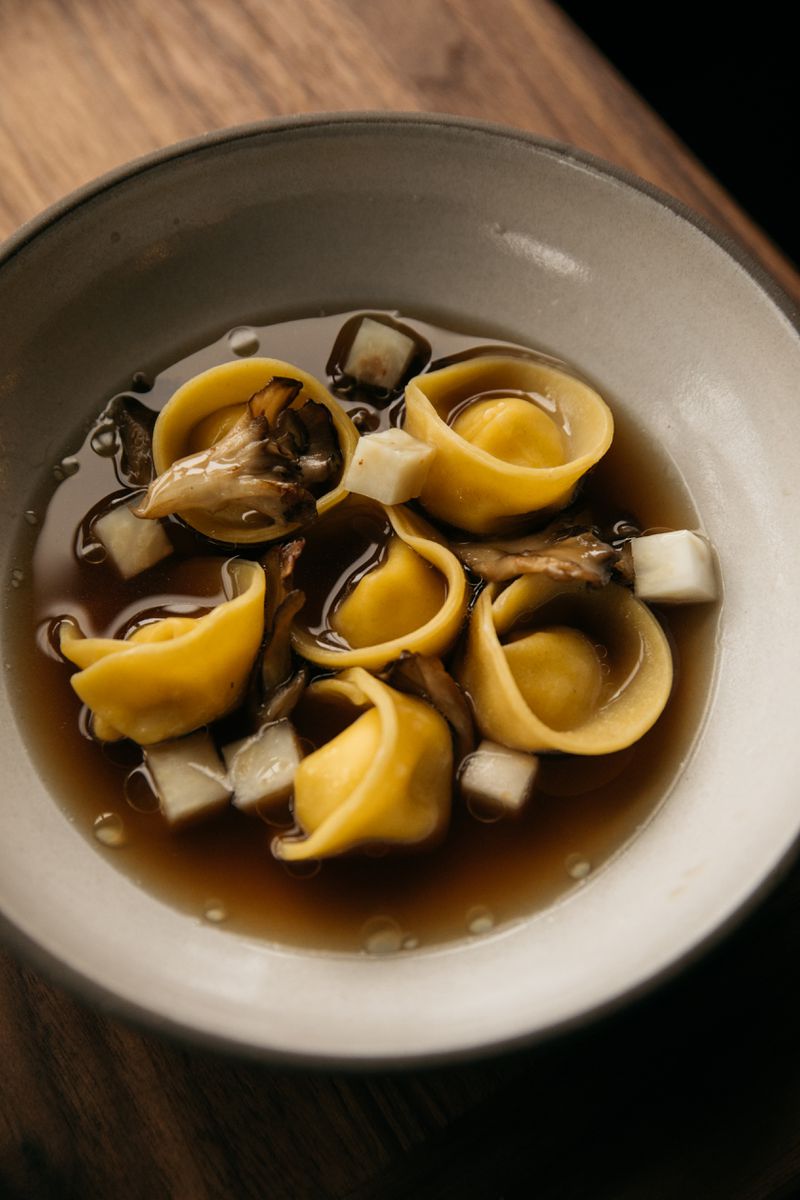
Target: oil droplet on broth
x,y
109,829
577,866
104,441
243,341
92,552
31,517
364,420
303,868
252,517
409,942
139,791
276,818
215,912
481,810
68,466
479,919
17,577
141,382
381,935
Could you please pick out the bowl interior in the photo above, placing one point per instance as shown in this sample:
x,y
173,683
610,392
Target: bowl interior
x,y
482,229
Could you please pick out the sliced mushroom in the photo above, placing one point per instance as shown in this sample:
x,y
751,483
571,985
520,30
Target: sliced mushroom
x,y
559,552
279,564
276,666
284,699
134,422
289,433
306,435
265,462
239,469
424,676
274,397
280,685
321,457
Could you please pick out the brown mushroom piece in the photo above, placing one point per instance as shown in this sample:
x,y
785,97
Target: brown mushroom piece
x,y
279,683
266,461
134,423
424,676
318,456
560,552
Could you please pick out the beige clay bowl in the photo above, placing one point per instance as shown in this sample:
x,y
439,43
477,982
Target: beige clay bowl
x,y
501,232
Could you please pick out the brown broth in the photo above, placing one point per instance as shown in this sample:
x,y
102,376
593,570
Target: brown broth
x,y
584,811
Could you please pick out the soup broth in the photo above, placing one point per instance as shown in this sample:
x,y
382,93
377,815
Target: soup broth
x,y
485,873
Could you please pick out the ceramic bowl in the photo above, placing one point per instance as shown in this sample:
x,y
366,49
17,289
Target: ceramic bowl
x,y
499,231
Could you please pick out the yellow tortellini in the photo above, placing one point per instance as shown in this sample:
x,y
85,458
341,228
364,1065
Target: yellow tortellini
x,y
399,596
207,407
385,778
559,666
172,675
512,436
415,599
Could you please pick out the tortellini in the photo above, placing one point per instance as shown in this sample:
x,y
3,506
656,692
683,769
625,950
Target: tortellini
x,y
415,599
559,666
172,675
393,600
512,436
386,778
208,406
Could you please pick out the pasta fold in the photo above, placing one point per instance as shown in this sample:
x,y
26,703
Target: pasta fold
x,y
385,778
207,408
560,666
415,599
512,436
172,675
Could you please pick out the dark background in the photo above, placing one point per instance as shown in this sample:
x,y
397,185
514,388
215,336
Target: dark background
x,y
727,85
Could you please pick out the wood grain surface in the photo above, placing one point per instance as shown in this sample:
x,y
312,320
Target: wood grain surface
x,y
693,1092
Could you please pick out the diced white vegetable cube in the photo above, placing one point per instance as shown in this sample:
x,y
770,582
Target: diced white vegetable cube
x,y
496,779
132,543
189,777
673,568
391,466
261,768
379,354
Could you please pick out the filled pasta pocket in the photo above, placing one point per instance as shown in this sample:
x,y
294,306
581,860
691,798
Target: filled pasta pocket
x,y
248,451
173,675
386,778
513,436
378,581
560,666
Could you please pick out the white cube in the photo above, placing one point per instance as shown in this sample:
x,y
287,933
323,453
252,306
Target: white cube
x,y
189,777
673,568
390,466
261,768
131,543
379,354
496,779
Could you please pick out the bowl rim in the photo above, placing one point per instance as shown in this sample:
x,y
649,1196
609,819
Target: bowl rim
x,y
149,1020
186,147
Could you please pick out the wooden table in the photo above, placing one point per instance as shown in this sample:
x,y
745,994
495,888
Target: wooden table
x,y
693,1092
